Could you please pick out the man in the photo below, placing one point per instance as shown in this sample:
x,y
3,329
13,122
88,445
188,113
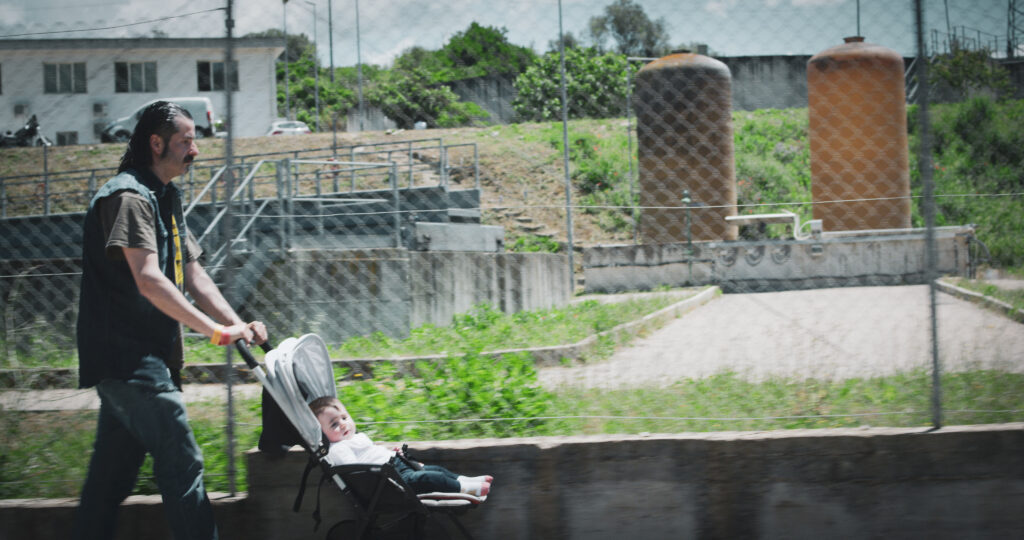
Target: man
x,y
138,258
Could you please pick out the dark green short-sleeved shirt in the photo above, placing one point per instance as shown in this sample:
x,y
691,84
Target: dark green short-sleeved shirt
x,y
128,222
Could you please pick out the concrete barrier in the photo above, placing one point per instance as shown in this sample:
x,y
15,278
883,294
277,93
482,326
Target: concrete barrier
x,y
837,259
957,482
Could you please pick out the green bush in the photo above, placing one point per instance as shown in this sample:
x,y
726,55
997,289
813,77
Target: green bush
x,y
595,86
600,171
772,164
979,173
531,243
461,396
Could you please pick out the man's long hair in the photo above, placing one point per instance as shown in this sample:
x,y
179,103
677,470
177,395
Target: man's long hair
x,y
157,118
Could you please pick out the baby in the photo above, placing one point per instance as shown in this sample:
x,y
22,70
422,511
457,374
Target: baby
x,y
347,447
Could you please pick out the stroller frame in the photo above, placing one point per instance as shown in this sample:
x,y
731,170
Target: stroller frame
x,y
298,371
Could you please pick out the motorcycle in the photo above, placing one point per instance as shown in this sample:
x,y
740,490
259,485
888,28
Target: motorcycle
x,y
28,135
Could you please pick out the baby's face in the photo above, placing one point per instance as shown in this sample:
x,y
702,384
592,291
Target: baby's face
x,y
337,424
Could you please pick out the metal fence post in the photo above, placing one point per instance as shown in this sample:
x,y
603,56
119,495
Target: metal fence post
x,y
411,180
319,207
476,166
352,177
398,205
443,166
282,166
92,186
928,209
46,179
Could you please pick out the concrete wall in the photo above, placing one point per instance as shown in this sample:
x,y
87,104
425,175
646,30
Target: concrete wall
x,y
768,82
493,94
343,293
957,482
448,283
840,259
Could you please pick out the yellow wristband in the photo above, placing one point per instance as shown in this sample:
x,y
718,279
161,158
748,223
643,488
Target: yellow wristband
x,y
215,339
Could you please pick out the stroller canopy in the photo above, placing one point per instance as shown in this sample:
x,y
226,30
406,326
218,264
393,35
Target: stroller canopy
x,y
299,371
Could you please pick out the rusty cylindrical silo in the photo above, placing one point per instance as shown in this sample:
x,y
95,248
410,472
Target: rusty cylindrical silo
x,y
860,175
683,104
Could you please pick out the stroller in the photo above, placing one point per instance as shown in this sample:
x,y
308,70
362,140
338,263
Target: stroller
x,y
293,375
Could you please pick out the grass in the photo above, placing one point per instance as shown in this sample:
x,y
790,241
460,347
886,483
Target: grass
x,y
726,402
486,329
45,454
1013,297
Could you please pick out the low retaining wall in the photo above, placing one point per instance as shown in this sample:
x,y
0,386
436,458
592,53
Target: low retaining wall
x,y
837,259
957,482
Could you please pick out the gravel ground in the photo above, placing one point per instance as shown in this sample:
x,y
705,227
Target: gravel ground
x,y
821,333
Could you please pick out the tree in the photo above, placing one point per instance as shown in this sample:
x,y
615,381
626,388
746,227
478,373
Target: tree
x,y
595,86
478,51
483,50
571,42
417,57
634,33
965,71
297,43
408,97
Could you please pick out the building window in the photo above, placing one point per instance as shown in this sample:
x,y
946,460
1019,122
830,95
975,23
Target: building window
x,y
64,78
211,76
65,138
134,77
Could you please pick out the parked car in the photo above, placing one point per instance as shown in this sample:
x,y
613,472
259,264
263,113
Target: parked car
x,y
200,108
288,127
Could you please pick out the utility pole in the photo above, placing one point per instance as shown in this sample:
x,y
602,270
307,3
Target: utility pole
x,y
359,69
287,92
229,61
316,68
330,35
1014,27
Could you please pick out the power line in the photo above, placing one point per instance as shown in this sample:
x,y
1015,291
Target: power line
x,y
161,19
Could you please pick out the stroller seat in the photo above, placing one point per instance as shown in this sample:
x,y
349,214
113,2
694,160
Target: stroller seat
x,y
295,373
386,507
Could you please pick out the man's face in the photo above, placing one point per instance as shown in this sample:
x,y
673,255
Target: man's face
x,y
176,155
337,424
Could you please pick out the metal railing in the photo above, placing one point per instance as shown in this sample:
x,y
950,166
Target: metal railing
x,y
54,192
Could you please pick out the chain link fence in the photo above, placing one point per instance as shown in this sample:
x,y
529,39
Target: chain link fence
x,y
467,165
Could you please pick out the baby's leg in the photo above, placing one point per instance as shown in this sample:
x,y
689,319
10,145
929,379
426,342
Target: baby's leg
x,y
430,479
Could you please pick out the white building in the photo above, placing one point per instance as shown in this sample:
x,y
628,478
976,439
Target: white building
x,y
76,86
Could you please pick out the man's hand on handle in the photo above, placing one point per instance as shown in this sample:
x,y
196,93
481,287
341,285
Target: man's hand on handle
x,y
254,331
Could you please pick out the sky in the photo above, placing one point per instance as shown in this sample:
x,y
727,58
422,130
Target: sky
x,y
387,27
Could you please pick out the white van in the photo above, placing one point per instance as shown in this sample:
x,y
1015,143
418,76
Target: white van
x,y
200,108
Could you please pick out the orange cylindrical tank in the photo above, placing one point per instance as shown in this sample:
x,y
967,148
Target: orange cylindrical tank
x,y
683,105
857,115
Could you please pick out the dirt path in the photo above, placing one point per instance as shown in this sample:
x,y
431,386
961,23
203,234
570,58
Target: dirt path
x,y
824,333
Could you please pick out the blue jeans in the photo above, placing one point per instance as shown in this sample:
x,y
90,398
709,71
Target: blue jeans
x,y
428,478
144,414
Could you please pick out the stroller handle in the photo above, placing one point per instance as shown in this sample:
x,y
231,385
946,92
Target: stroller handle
x,y
250,360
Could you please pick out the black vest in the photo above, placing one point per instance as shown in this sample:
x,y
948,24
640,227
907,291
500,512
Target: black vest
x,y
117,326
